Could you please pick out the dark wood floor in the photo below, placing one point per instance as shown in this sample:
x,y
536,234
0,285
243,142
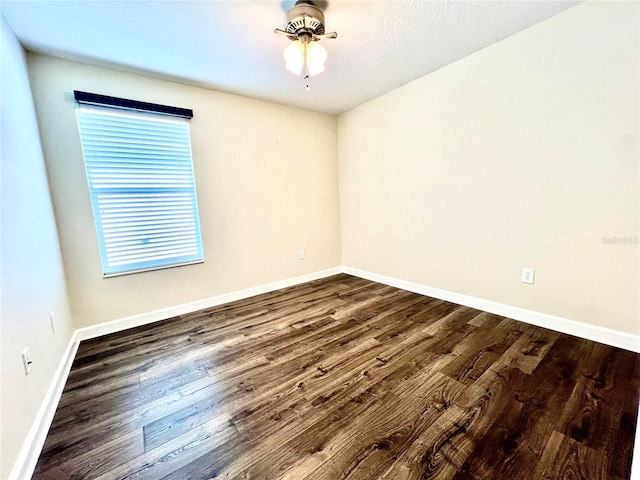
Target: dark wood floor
x,y
344,378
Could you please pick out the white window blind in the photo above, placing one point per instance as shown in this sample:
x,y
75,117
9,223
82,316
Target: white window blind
x,y
143,194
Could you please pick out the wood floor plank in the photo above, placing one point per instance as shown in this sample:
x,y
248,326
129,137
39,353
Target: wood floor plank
x,y
517,439
564,458
99,460
372,442
491,343
343,378
165,459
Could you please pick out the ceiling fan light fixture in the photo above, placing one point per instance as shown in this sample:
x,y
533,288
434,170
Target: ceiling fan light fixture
x,y
305,28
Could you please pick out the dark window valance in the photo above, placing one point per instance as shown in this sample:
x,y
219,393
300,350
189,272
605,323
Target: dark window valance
x,y
107,101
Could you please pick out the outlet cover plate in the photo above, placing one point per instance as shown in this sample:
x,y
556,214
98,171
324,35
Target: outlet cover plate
x,y
26,361
527,275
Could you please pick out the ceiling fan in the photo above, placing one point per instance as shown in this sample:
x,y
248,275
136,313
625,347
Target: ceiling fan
x,y
305,28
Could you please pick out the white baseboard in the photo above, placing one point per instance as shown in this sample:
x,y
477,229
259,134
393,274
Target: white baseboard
x,y
165,313
596,333
25,464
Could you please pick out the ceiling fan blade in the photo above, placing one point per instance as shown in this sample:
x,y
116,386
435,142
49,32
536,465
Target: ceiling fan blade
x,y
285,33
327,35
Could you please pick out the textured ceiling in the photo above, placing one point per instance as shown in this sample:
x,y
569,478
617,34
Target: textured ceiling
x,y
230,45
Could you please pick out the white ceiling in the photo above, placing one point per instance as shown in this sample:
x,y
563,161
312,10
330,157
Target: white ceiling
x,y
230,45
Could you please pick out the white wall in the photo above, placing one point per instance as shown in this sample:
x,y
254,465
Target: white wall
x,y
33,282
266,178
524,154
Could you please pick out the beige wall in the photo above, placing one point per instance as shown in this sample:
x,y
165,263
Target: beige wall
x,y
524,154
33,282
266,178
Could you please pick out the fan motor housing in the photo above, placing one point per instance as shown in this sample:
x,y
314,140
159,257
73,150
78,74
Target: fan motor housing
x,y
305,17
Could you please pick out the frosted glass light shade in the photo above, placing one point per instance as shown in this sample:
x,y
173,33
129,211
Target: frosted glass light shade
x,y
294,56
316,56
297,53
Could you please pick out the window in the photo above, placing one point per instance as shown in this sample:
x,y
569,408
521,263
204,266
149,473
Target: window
x,y
141,182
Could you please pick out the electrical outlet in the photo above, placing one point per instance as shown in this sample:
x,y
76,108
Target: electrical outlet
x,y
53,327
26,360
301,255
527,275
